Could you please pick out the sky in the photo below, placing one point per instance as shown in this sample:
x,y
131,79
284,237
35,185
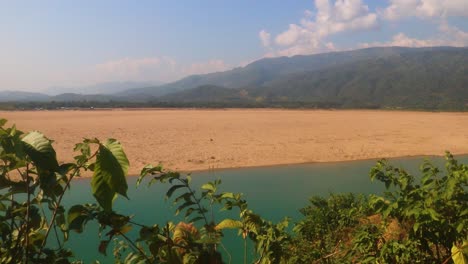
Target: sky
x,y
65,43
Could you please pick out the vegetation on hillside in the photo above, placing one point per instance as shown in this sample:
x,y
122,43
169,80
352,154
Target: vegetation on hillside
x,y
420,219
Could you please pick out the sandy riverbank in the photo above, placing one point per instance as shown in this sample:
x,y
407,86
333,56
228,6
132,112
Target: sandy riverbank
x,y
187,139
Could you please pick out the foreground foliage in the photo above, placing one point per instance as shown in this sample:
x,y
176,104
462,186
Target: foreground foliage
x,y
418,219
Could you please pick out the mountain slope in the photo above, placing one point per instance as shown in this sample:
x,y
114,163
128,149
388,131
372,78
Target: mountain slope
x,y
431,79
262,71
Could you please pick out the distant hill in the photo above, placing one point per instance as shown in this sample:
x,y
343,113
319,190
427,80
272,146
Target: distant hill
x,y
100,88
204,93
18,96
72,97
428,79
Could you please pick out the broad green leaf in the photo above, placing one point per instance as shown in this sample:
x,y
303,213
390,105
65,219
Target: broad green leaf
x,y
110,171
77,218
2,122
40,150
229,223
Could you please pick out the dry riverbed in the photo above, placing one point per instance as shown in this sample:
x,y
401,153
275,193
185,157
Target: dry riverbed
x,y
189,139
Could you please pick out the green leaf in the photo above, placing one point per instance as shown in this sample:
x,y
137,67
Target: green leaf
x,y
77,218
229,223
109,173
2,122
40,150
173,189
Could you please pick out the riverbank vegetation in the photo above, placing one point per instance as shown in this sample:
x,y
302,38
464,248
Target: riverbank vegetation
x,y
419,219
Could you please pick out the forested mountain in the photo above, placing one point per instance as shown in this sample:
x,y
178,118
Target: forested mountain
x,y
426,79
262,71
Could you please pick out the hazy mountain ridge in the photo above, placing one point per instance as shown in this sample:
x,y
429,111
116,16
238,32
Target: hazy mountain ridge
x,y
99,88
20,96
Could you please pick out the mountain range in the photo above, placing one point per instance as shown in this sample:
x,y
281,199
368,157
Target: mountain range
x,y
383,77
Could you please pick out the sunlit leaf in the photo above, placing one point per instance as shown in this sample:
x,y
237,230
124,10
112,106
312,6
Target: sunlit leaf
x,y
40,150
460,254
229,224
208,186
109,173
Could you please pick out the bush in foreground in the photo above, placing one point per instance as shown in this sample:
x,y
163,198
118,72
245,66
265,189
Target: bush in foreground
x,y
418,220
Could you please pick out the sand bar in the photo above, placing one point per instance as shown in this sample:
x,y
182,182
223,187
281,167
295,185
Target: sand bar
x,y
191,139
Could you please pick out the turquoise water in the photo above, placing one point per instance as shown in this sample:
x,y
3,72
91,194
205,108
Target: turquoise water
x,y
273,192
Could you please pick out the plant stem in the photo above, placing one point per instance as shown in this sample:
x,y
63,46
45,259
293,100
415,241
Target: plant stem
x,y
192,193
28,204
245,251
54,215
227,252
57,237
137,224
135,247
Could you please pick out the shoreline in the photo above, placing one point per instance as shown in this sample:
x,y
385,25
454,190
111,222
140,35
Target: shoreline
x,y
421,157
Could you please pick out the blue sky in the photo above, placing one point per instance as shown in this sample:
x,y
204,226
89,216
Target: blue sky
x,y
72,43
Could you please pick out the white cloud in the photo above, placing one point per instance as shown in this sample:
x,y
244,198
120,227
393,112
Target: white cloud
x,y
447,36
425,9
402,40
308,13
330,17
291,36
454,36
205,67
265,38
310,35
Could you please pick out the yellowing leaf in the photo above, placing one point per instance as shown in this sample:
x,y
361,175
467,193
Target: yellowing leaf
x,y
125,229
229,224
460,254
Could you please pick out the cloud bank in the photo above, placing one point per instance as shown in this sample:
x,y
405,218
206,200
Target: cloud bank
x,y
311,35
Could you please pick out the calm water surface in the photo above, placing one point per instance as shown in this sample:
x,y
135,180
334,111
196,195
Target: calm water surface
x,y
273,192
